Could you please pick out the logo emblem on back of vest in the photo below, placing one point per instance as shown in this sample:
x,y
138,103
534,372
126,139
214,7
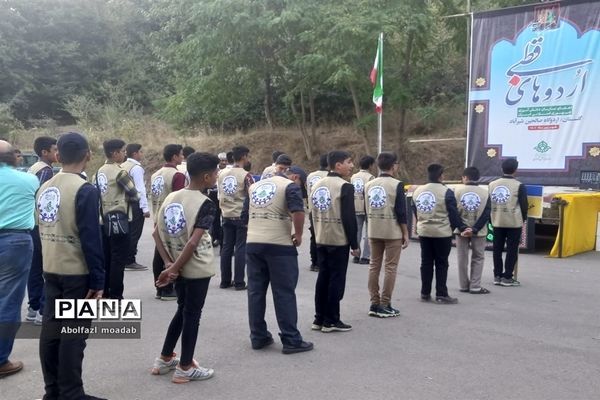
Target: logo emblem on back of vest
x,y
321,199
263,194
157,186
102,183
470,201
230,185
312,181
174,218
48,204
359,186
500,195
425,202
377,197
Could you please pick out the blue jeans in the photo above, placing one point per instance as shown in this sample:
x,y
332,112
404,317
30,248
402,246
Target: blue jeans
x,y
16,250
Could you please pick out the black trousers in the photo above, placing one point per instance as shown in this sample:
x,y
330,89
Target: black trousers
x,y
282,273
116,248
35,281
512,237
158,266
61,355
331,282
191,294
313,242
234,244
136,226
434,251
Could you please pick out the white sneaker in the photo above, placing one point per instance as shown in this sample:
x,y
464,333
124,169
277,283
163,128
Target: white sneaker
x,y
196,373
162,367
39,318
31,314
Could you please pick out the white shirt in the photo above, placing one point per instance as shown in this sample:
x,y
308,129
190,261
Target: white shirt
x,y
137,174
183,168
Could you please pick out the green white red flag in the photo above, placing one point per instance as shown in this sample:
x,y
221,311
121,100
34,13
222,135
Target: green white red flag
x,y
377,77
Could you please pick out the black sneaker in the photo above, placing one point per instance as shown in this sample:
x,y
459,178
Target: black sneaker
x,y
394,310
337,327
135,267
158,293
509,282
314,268
168,295
373,310
497,280
364,261
386,312
303,346
225,285
425,298
261,344
446,300
243,286
316,325
356,260
90,397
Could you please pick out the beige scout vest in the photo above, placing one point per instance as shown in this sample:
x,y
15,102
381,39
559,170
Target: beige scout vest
x,y
270,221
178,215
471,201
161,185
313,178
112,194
432,215
268,172
55,206
37,167
506,212
380,202
326,209
359,180
231,191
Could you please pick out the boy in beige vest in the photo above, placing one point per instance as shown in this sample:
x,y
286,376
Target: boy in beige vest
x,y
387,232
437,216
359,180
67,213
332,204
474,210
182,239
311,179
509,211
275,226
271,170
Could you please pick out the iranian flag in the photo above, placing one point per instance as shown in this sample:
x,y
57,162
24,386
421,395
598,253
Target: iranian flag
x,y
377,76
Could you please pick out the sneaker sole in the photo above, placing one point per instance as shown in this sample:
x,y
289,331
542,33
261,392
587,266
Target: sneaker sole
x,y
387,315
316,327
334,329
372,314
187,380
507,284
168,298
29,319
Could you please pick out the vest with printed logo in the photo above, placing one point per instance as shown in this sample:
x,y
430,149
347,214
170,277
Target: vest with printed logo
x,y
326,206
268,172
380,202
161,185
128,166
231,191
37,167
471,201
432,215
504,198
55,209
177,217
269,217
359,180
112,194
313,178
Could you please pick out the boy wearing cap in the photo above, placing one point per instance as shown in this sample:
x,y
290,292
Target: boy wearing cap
x,y
332,202
67,213
359,180
182,239
275,209
387,232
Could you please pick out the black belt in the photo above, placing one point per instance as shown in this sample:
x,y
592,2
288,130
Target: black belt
x,y
27,231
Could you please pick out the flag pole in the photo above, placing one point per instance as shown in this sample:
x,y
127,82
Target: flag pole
x,y
380,115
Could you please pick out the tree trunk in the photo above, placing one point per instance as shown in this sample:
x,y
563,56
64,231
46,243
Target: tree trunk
x,y
300,119
313,118
358,113
268,101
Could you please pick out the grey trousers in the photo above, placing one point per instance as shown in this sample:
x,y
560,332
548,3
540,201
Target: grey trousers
x,y
365,250
477,246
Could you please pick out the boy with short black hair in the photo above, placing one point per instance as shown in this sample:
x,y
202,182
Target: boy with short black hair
x,y
117,191
182,239
509,211
45,148
359,180
474,209
332,203
385,204
271,169
67,213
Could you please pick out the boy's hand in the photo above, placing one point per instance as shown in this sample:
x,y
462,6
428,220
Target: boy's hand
x,y
404,241
94,294
355,252
297,240
166,276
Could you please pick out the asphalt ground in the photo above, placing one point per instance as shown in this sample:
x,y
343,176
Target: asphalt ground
x,y
537,341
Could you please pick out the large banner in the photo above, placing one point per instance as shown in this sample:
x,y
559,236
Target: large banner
x,y
535,91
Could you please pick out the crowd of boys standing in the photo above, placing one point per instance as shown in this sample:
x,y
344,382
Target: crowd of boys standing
x,y
85,234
